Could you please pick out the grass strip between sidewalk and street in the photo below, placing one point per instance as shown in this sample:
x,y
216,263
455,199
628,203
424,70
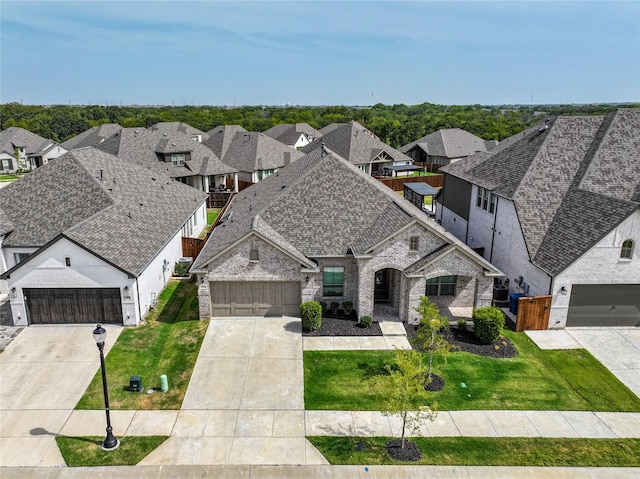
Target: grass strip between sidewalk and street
x,y
561,380
86,451
486,451
168,343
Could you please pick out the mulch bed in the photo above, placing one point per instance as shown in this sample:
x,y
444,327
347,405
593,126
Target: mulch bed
x,y
436,383
344,327
410,453
466,341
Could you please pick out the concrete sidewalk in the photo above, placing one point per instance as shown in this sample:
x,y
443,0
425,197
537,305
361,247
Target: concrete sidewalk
x,y
394,336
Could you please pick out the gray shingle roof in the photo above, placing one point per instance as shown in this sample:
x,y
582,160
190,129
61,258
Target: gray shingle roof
x,y
317,206
126,218
92,137
449,143
171,127
355,143
289,134
571,182
221,137
15,137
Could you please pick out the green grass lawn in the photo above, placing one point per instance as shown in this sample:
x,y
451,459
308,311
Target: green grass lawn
x,y
168,344
563,380
212,214
483,451
8,177
86,451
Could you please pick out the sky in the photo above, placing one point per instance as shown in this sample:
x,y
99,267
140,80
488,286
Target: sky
x,y
319,53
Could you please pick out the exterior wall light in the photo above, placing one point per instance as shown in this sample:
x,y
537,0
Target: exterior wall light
x,y
14,293
563,291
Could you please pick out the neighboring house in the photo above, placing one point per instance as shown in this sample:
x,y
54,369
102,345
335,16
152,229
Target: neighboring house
x,y
556,208
92,137
294,135
22,150
446,146
174,154
255,155
171,127
361,147
101,243
321,229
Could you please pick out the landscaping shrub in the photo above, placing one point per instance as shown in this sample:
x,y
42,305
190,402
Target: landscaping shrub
x,y
348,307
462,324
487,323
324,306
311,315
181,269
334,308
366,321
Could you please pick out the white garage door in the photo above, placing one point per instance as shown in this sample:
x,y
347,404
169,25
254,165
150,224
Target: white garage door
x,y
255,298
604,305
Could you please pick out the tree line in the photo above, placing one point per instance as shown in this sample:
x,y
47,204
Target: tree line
x,y
396,125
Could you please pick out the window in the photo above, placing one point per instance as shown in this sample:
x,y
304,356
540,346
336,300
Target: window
x,y
262,174
67,262
442,286
20,257
414,243
627,249
333,281
364,168
254,256
6,164
177,160
486,200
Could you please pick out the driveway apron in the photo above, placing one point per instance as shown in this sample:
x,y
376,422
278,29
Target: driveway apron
x,y
245,400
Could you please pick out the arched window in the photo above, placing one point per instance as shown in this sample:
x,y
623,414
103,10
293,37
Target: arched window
x,y
626,252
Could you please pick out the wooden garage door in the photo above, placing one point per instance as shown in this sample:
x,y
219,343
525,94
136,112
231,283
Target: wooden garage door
x,y
604,305
255,298
73,305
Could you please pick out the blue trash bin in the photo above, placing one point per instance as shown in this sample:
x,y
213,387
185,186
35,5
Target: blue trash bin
x,y
513,302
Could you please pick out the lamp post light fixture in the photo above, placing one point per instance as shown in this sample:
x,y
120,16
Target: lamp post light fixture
x,y
110,442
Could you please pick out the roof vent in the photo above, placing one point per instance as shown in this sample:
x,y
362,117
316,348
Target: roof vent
x,y
543,128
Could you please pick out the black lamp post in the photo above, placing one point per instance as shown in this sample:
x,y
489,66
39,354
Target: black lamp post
x,y
110,442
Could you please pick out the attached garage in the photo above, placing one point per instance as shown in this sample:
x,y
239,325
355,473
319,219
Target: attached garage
x,y
73,305
604,305
255,298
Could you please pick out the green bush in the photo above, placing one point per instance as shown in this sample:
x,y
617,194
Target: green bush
x,y
181,269
366,321
487,323
348,307
462,324
334,308
324,306
311,315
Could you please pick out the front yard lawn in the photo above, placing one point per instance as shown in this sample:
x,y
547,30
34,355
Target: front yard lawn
x,y
86,451
563,380
484,451
168,344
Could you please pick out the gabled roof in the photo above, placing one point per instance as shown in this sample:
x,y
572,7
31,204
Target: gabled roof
x,y
93,136
16,137
290,133
250,151
171,127
120,211
572,180
450,143
321,205
355,143
148,148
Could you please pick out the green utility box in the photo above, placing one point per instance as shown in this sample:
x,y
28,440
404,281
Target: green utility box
x,y
135,384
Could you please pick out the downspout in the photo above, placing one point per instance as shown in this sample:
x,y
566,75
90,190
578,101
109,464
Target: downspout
x,y
138,295
493,235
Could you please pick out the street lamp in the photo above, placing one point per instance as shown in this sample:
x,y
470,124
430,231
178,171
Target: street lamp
x,y
110,442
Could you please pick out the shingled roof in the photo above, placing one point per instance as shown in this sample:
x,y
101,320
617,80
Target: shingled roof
x,y
16,137
147,147
321,205
289,134
450,143
171,127
93,136
355,143
572,180
120,211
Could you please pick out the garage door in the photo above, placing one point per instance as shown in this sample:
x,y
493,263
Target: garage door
x,y
255,298
73,305
604,305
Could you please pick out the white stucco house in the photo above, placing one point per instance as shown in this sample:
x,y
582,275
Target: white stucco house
x,y
322,229
21,149
99,243
556,208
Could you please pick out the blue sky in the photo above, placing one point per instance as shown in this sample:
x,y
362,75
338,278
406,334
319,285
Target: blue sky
x,y
319,53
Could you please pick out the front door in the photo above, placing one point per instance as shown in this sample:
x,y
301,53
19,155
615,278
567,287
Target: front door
x,y
381,291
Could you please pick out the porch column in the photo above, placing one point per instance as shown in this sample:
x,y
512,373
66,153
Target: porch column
x,y
366,283
417,287
204,297
235,182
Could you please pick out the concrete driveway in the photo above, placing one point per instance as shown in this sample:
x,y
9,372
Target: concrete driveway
x,y
43,374
617,349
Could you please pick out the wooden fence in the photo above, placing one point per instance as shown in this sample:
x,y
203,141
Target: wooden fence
x,y
533,313
191,247
397,184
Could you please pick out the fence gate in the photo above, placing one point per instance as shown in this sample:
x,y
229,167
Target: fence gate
x,y
533,313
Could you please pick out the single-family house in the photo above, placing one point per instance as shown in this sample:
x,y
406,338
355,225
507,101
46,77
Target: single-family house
x,y
101,244
22,150
321,229
361,147
294,135
171,127
556,208
254,155
446,146
92,137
